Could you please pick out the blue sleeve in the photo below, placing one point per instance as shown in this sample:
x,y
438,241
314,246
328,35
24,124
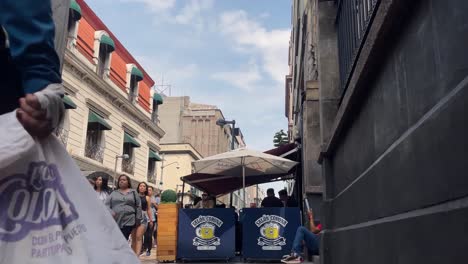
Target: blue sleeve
x,y
31,32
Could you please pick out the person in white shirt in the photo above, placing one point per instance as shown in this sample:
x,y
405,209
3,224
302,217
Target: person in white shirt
x,y
101,187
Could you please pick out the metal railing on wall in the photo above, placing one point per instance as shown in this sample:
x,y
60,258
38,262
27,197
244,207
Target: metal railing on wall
x,y
128,166
151,177
353,21
62,134
94,151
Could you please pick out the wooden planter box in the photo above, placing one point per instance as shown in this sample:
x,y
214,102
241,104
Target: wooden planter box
x,y
168,217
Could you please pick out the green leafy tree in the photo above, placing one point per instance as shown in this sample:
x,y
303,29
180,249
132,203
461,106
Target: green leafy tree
x,y
280,138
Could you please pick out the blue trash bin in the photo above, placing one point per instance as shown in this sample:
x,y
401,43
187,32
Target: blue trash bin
x,y
206,234
268,233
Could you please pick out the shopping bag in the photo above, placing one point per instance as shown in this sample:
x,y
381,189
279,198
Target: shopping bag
x,y
48,211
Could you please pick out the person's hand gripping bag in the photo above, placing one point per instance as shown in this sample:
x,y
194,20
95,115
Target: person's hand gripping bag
x,y
48,211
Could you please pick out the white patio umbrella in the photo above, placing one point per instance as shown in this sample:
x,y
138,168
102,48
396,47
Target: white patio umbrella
x,y
243,163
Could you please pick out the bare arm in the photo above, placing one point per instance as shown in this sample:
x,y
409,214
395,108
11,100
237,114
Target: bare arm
x,y
312,226
138,209
148,210
154,204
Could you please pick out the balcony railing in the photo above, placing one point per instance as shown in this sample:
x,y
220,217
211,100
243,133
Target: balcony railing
x,y
151,177
62,134
95,152
353,21
128,166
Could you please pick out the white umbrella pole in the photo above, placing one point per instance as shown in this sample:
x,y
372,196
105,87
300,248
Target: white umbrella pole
x,y
243,180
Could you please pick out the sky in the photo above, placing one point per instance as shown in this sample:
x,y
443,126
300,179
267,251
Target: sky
x,y
228,53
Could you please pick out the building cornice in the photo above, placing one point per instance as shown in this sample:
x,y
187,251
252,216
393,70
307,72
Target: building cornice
x,y
181,148
79,69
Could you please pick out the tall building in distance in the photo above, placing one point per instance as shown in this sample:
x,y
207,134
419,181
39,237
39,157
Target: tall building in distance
x,y
191,123
188,122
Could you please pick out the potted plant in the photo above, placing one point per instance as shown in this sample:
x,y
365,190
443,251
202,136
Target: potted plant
x,y
167,226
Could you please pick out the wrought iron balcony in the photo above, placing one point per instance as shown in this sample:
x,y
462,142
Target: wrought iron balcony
x,y
151,177
95,152
354,18
128,166
62,134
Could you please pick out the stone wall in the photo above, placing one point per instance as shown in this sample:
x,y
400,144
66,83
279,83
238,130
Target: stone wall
x,y
396,166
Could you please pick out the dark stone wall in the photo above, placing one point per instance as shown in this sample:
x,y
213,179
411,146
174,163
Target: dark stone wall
x,y
400,189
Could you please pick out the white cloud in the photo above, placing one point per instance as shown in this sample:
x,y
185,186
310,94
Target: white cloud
x,y
248,34
264,15
184,72
244,79
156,5
192,11
191,14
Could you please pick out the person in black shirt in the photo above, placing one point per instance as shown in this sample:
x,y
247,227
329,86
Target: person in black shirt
x,y
271,200
288,201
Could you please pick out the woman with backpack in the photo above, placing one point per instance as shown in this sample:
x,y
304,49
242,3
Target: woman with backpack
x,y
125,205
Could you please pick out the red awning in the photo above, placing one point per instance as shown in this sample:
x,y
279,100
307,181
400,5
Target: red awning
x,y
282,150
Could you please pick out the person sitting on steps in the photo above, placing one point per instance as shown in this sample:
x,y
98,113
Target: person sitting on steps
x,y
309,237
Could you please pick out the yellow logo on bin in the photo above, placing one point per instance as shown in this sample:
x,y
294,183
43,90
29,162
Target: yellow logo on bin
x,y
205,227
205,231
270,231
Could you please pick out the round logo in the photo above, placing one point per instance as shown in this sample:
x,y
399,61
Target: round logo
x,y
205,231
270,231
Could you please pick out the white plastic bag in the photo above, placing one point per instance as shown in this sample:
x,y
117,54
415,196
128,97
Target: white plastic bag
x,y
48,211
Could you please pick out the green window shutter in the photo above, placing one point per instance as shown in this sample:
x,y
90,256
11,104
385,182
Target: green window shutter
x,y
106,40
95,122
154,156
75,10
130,140
68,103
137,73
158,99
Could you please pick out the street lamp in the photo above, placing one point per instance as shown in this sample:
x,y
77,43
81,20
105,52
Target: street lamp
x,y
162,170
222,122
117,157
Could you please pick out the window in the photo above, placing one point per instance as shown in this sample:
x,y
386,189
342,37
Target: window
x,y
94,145
61,131
63,128
72,26
157,100
129,145
152,158
103,47
134,76
133,93
128,164
103,60
154,115
95,139
151,171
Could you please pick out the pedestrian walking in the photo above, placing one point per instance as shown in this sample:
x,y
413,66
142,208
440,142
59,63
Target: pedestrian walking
x,y
157,199
101,187
147,221
148,237
125,206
